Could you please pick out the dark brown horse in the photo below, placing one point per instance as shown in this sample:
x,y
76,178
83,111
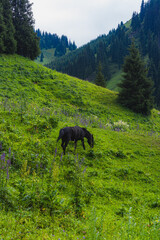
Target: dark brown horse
x,y
74,134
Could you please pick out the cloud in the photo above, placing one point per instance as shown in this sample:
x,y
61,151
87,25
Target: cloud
x,y
82,20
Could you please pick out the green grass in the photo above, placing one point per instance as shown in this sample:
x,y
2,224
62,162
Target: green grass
x,y
48,56
112,84
108,192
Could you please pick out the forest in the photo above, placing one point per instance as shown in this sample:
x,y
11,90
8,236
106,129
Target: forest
x,y
61,44
17,33
111,49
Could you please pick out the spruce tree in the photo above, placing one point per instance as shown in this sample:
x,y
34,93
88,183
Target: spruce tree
x,y
2,30
27,40
100,81
9,40
136,87
142,12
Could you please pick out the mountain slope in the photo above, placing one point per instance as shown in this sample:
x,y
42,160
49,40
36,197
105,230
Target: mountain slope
x,y
111,49
46,195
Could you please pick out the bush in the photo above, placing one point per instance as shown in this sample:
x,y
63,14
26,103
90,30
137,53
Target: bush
x,y
120,125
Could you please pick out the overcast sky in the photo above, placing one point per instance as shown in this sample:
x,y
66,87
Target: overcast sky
x,y
82,20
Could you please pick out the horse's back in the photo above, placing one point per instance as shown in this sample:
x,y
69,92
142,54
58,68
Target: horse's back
x,y
71,133
77,133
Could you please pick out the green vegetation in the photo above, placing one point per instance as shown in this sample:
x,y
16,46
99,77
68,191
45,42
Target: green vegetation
x,y
112,48
17,29
53,46
112,84
136,91
100,81
48,56
108,192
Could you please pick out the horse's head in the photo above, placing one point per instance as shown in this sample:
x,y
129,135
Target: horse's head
x,y
89,137
91,140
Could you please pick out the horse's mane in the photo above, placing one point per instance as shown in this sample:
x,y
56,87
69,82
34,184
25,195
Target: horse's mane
x,y
86,132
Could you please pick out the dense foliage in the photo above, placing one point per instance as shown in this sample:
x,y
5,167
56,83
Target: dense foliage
x,y
136,87
84,61
16,29
148,35
61,44
108,192
111,49
100,81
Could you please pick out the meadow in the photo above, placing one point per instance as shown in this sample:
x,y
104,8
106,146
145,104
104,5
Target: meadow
x,y
109,192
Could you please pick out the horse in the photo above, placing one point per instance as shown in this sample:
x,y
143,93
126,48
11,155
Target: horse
x,y
74,134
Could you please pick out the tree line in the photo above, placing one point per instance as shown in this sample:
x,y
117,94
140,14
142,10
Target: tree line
x,y
105,50
17,33
110,50
61,44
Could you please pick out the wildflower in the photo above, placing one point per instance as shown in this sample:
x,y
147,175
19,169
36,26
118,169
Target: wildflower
x,y
8,162
55,152
10,152
120,125
84,170
3,157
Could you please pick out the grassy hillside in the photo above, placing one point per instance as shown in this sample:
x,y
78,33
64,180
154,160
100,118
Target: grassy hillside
x,y
112,84
108,192
48,56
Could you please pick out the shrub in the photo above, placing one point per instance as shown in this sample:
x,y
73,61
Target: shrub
x,y
120,125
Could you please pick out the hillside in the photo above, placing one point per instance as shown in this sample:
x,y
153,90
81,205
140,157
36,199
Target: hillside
x,y
52,46
108,192
112,48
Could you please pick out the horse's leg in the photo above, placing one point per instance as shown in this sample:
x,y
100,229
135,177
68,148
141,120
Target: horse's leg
x,y
64,146
83,144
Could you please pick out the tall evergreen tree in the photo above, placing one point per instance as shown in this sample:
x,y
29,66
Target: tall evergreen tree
x,y
142,12
136,87
9,39
100,81
27,40
2,29
135,23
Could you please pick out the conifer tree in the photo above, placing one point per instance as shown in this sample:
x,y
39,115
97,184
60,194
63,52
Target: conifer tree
x,y
136,87
2,30
27,40
142,12
9,39
41,57
100,81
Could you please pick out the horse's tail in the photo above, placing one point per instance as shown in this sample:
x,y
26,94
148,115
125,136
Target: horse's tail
x,y
61,133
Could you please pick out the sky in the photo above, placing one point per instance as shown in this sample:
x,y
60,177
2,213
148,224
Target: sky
x,y
82,20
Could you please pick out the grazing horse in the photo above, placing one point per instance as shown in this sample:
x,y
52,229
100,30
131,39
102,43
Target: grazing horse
x,y
74,134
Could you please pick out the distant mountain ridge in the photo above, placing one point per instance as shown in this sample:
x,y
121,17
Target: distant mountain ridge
x,y
111,49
